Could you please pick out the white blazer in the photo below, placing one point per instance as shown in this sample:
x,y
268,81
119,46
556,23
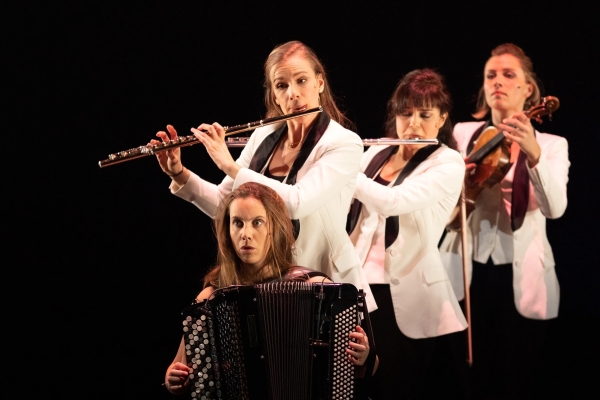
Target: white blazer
x,y
319,200
535,285
424,302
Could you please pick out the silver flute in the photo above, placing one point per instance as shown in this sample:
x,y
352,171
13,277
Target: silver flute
x,y
241,141
181,141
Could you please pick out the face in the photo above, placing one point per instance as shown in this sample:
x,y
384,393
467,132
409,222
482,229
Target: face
x,y
295,85
421,123
249,231
505,85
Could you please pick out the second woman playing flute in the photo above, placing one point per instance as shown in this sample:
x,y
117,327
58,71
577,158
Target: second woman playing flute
x,y
310,161
404,196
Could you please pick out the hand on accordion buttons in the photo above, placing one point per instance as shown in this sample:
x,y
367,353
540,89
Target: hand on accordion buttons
x,y
358,350
177,376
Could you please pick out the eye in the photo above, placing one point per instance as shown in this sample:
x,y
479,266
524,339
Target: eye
x,y
258,222
281,86
237,223
301,81
426,115
510,75
490,75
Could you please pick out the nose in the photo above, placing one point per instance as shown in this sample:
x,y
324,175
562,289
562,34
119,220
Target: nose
x,y
245,233
293,92
415,121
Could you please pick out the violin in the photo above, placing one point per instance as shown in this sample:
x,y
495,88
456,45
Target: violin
x,y
492,155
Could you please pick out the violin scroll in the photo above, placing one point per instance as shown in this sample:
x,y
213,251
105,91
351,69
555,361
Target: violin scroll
x,y
548,105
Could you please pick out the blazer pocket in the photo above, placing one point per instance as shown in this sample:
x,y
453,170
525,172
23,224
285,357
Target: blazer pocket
x,y
434,275
347,260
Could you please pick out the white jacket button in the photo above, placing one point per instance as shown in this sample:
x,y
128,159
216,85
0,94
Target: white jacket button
x,y
393,252
395,281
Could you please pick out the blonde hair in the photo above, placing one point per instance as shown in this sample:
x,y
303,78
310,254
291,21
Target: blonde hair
x,y
327,99
482,107
279,257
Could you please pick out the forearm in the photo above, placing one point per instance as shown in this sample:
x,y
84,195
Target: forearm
x,y
549,179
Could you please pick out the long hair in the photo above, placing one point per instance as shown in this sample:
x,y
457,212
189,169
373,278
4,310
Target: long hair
x,y
327,99
482,107
279,257
421,88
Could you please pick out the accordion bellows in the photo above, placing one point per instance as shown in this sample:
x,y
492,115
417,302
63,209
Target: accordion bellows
x,y
277,341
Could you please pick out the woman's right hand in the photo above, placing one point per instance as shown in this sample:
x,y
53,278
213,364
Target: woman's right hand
x,y
177,377
170,160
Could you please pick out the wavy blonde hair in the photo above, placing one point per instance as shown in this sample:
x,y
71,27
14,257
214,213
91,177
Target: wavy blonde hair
x,y
279,257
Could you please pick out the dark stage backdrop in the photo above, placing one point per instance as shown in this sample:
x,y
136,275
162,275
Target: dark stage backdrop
x,y
100,262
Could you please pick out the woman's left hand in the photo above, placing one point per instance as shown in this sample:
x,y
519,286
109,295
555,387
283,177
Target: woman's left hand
x,y
213,139
359,348
518,128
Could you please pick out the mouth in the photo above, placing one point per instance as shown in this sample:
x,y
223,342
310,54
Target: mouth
x,y
299,109
498,93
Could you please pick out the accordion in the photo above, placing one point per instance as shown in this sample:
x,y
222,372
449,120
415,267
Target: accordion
x,y
277,341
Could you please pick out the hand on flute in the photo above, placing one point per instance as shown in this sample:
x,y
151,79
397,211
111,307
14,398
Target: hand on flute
x,y
213,139
170,160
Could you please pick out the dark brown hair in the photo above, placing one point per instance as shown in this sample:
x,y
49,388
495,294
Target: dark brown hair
x,y
279,256
482,107
421,88
282,53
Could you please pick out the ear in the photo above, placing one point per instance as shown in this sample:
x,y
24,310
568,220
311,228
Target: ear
x,y
529,91
320,83
276,101
442,120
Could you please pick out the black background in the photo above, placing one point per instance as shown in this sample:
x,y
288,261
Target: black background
x,y
99,262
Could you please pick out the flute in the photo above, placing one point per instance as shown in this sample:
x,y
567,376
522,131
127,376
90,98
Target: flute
x,y
241,142
181,141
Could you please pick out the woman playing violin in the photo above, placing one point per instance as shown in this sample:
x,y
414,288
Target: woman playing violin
x,y
514,287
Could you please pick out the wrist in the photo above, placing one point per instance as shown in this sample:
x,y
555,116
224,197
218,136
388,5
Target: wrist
x,y
232,170
178,173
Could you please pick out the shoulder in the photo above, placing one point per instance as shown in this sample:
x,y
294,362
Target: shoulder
x,y
368,155
304,274
260,133
336,132
205,293
448,155
467,128
550,138
373,150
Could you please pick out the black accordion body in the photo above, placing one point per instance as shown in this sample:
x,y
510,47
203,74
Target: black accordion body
x,y
277,341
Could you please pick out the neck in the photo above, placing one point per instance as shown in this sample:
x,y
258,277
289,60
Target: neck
x,y
499,115
406,152
298,129
297,125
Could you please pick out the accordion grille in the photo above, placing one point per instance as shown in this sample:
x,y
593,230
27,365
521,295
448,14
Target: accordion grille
x,y
286,324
